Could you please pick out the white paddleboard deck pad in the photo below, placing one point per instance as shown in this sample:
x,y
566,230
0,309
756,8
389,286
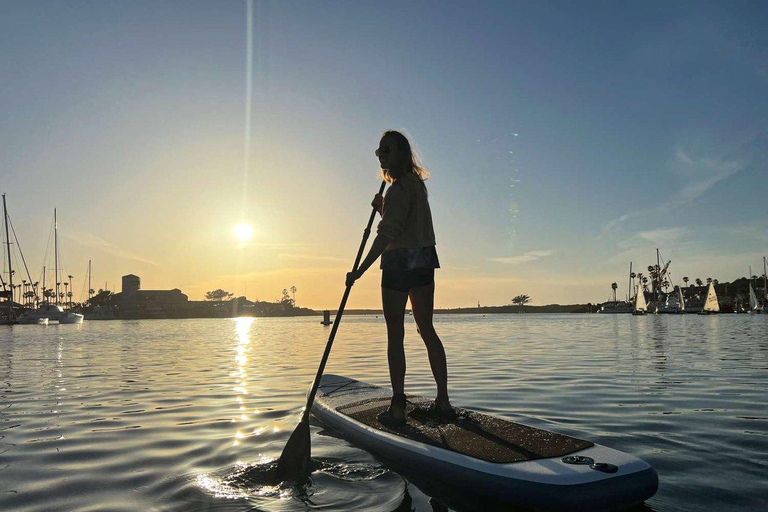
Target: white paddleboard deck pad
x,y
495,457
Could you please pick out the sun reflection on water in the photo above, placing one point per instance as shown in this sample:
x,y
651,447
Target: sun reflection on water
x,y
243,331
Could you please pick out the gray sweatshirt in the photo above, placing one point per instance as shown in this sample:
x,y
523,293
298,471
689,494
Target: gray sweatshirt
x,y
406,217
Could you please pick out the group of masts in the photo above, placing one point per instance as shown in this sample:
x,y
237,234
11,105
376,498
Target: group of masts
x,y
662,301
29,294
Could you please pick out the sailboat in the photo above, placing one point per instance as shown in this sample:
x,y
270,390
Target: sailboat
x,y
711,306
640,305
54,312
10,318
754,306
673,303
680,300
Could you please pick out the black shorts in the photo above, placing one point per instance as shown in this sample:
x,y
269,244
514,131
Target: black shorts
x,y
404,280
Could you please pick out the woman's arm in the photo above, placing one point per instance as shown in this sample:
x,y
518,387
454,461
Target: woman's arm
x,y
378,246
394,214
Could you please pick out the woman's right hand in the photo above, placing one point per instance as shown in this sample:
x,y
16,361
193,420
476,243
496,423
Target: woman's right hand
x,y
378,202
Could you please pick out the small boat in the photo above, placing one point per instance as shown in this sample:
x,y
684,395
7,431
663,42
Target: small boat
x,y
681,300
54,313
506,461
29,317
616,307
100,313
711,306
326,318
754,306
640,305
71,318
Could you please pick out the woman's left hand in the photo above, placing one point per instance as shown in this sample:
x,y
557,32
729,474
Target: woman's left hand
x,y
352,277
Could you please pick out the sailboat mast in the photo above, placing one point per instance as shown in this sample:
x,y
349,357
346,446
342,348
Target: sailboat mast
x,y
658,277
89,280
44,289
56,253
10,264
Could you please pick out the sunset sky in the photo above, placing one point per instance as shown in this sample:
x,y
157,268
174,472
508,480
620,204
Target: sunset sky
x,y
564,140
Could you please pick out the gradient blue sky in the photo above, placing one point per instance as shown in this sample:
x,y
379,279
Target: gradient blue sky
x,y
565,139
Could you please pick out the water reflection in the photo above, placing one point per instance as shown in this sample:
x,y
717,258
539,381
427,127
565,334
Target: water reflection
x,y
176,399
243,334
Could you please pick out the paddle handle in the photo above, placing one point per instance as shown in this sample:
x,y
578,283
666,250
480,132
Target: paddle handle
x,y
337,320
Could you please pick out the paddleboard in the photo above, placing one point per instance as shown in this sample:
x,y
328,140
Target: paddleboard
x,y
506,461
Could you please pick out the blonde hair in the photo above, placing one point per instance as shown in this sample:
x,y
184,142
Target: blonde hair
x,y
413,164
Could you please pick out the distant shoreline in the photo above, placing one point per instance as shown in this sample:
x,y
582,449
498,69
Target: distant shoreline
x,y
550,308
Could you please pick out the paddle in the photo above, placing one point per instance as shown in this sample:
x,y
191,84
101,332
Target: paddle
x,y
295,459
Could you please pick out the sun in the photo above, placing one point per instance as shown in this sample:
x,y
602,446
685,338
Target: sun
x,y
243,231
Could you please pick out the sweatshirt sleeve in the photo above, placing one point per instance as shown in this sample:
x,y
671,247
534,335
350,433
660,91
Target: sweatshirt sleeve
x,y
396,208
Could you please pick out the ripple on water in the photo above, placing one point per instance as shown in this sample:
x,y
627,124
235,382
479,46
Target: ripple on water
x,y
189,415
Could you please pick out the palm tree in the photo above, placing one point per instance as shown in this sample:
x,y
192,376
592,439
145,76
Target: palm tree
x,y
685,280
709,280
522,300
699,282
293,291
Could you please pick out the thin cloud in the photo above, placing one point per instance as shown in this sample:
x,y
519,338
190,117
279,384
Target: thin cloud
x,y
310,257
701,164
663,236
89,240
524,258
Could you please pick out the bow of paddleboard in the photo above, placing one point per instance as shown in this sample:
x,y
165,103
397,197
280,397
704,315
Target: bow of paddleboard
x,y
497,458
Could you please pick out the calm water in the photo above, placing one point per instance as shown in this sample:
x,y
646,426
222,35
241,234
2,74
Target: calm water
x,y
167,415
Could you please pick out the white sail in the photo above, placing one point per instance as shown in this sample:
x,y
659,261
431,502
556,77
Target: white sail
x,y
711,303
680,299
753,305
640,299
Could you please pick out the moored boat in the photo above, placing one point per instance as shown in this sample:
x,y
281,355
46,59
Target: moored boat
x,y
754,306
711,305
53,313
640,305
29,317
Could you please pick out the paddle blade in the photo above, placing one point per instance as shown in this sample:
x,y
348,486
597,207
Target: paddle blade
x,y
294,462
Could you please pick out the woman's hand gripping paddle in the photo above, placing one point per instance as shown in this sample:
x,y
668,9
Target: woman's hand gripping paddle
x,y
295,460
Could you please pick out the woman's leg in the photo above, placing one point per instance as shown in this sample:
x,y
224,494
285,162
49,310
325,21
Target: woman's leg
x,y
393,303
423,305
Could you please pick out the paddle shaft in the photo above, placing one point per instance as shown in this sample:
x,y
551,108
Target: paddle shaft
x,y
337,320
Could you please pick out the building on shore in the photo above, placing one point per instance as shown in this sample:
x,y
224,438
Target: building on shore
x,y
133,302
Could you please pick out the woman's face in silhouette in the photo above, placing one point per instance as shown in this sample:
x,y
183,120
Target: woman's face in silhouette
x,y
390,156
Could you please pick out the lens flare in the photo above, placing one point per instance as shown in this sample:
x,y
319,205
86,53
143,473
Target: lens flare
x,y
243,231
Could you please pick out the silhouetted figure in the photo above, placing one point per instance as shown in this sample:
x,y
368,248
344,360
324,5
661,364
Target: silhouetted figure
x,y
405,241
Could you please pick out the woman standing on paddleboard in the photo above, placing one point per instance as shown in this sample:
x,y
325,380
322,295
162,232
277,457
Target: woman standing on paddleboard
x,y
405,241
